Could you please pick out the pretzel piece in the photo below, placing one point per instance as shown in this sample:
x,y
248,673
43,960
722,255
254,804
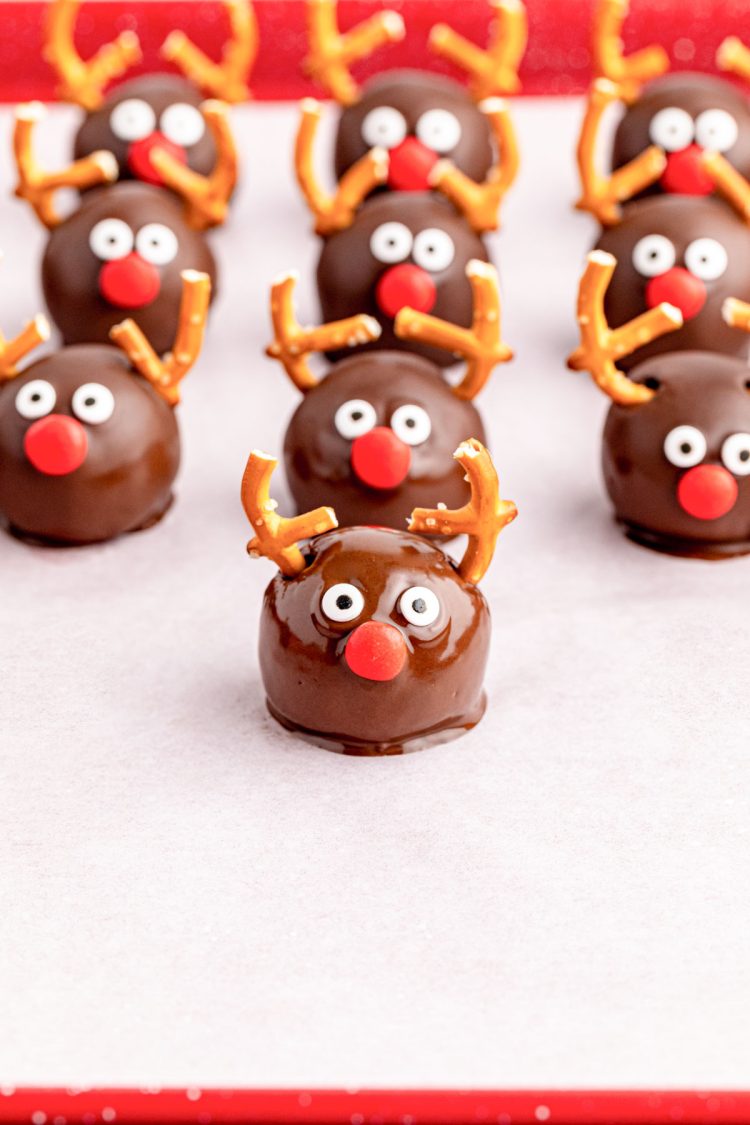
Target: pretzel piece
x,y
227,79
482,518
206,198
492,72
36,332
734,57
736,313
84,82
165,375
331,53
729,182
275,537
627,73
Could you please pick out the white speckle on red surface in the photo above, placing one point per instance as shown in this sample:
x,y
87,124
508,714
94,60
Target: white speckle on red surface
x,y
108,1113
305,1100
38,1117
192,1094
7,1091
542,1113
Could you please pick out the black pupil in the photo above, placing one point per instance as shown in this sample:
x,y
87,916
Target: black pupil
x,y
356,415
745,455
411,423
343,601
36,397
90,401
419,605
686,447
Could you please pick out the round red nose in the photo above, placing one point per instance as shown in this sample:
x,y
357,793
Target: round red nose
x,y
409,166
139,157
684,173
129,283
56,445
376,651
405,286
677,287
707,492
380,459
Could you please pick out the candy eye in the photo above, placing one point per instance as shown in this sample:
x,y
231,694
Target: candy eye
x,y
156,243
93,403
653,255
182,124
342,602
433,249
412,424
391,242
672,129
439,130
384,127
735,453
36,399
354,418
110,239
706,258
684,446
716,130
132,120
419,606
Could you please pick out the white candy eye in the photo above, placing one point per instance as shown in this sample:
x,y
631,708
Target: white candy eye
x,y
132,120
342,602
653,255
684,446
391,242
412,424
672,129
434,249
384,127
419,606
439,130
93,403
706,258
716,130
354,418
182,124
110,239
36,399
156,243
735,453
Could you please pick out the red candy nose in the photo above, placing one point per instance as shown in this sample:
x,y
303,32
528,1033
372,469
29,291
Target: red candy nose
x,y
56,445
380,459
410,164
376,651
130,282
677,287
405,286
684,173
707,492
139,157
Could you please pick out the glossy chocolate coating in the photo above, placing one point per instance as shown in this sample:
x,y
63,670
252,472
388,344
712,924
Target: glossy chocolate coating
x,y
318,458
309,686
159,91
71,270
693,93
125,481
348,272
682,219
414,93
709,392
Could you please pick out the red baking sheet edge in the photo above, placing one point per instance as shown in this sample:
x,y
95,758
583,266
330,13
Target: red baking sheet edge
x,y
557,60
371,1107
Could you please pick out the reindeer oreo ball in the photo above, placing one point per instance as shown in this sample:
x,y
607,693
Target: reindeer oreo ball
x,y
375,435
373,641
89,444
676,445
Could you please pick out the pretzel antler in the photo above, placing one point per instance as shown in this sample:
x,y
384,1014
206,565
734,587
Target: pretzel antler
x,y
227,79
480,203
734,57
482,519
165,375
481,345
495,71
206,198
292,343
333,212
629,73
331,53
276,538
736,314
84,82
36,332
602,195
601,346
39,188
729,181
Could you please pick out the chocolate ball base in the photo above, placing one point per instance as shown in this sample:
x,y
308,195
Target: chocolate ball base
x,y
684,548
35,540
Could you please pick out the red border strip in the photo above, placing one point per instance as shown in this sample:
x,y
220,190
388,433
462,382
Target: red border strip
x,y
372,1107
557,60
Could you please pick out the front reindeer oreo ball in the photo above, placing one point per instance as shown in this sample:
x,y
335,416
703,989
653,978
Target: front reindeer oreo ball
x,y
373,641
89,444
